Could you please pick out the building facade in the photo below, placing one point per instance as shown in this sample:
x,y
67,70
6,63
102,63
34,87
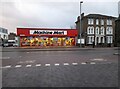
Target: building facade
x,y
97,29
117,32
42,37
3,35
12,36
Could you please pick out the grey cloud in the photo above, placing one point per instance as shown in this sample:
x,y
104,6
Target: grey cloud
x,y
51,14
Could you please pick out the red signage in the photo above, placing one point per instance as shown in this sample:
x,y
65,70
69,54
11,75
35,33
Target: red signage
x,y
46,32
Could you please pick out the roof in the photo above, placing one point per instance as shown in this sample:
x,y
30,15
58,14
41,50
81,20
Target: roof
x,y
96,16
99,15
44,28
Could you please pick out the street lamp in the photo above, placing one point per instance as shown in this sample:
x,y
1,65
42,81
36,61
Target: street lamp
x,y
80,22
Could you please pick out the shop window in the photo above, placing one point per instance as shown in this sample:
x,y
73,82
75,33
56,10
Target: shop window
x,y
47,41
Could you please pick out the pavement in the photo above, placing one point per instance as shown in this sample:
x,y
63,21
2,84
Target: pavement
x,y
55,48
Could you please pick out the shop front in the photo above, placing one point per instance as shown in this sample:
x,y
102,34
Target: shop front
x,y
39,37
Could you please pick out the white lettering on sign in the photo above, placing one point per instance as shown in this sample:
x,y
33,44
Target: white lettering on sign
x,y
22,35
48,32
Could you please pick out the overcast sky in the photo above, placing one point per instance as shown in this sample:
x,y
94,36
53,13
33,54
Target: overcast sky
x,y
50,13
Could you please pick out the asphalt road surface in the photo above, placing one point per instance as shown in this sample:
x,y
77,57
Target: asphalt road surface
x,y
59,68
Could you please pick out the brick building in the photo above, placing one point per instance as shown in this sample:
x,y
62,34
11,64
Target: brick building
x,y
97,28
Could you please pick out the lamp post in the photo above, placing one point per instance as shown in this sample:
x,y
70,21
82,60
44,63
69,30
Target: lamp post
x,y
80,22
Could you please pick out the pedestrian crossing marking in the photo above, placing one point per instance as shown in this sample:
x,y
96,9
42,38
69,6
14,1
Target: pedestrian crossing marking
x,y
28,65
92,63
66,64
47,64
74,63
83,63
18,66
38,65
7,66
56,64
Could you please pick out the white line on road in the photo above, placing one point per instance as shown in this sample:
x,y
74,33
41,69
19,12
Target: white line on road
x,y
37,65
74,63
4,57
47,64
18,66
57,64
83,63
65,64
92,63
28,65
7,66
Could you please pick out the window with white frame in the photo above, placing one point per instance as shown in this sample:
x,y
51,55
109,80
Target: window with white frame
x,y
97,22
97,30
90,21
102,22
102,31
90,30
109,22
109,39
90,39
102,39
109,30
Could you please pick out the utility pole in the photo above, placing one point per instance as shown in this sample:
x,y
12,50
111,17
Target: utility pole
x,y
80,22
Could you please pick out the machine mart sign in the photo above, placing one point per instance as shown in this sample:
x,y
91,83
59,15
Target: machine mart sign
x,y
48,32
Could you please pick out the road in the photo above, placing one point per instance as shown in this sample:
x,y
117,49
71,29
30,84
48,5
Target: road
x,y
69,68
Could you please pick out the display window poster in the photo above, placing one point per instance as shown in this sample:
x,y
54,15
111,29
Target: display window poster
x,y
55,38
30,37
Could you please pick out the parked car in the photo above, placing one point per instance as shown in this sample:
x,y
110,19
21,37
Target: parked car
x,y
15,45
10,43
5,44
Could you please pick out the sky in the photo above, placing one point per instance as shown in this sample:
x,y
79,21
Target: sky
x,y
50,13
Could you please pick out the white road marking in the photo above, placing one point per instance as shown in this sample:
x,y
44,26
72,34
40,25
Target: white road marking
x,y
92,63
7,66
18,66
28,65
57,64
74,63
116,54
98,59
38,65
4,57
83,63
30,61
47,64
65,64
